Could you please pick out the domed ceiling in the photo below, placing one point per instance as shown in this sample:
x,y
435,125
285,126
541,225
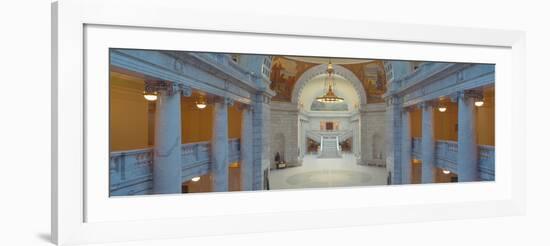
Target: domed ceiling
x,y
286,70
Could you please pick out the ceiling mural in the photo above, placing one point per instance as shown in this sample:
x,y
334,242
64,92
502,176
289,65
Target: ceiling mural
x,y
284,74
286,71
373,77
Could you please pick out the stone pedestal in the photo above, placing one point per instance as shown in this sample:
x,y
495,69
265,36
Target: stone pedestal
x,y
220,146
406,147
247,165
428,143
467,142
167,155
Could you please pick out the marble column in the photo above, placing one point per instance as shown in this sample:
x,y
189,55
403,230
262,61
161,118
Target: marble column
x,y
467,142
428,143
220,146
393,138
247,165
261,123
406,147
167,150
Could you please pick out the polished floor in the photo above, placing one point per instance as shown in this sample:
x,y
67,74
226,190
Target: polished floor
x,y
322,173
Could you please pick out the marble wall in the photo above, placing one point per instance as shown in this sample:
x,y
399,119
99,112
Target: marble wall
x,y
284,132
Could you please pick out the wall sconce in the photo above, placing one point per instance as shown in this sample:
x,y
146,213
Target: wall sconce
x,y
150,95
441,107
478,102
195,179
201,102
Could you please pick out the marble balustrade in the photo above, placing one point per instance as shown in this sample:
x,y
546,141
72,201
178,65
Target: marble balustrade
x,y
131,172
446,157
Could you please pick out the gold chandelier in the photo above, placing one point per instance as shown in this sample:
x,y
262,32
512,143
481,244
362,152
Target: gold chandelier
x,y
329,96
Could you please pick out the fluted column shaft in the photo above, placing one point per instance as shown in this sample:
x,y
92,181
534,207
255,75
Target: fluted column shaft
x,y
467,142
167,155
406,147
428,143
247,165
220,146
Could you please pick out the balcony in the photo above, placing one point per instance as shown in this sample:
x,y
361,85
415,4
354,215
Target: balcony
x,y
446,153
131,171
317,135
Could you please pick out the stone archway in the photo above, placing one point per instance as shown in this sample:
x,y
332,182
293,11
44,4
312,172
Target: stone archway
x,y
321,69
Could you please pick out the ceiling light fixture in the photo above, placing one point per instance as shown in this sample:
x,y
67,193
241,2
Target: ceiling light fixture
x,y
329,96
445,171
479,102
195,179
201,102
150,96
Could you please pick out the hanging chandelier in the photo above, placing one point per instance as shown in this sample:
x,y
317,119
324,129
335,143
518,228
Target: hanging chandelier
x,y
329,96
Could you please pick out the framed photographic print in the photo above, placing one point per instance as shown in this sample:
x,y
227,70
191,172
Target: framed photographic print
x,y
175,125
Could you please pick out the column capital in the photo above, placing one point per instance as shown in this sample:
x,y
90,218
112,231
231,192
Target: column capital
x,y
186,90
393,100
476,94
224,100
263,98
168,87
408,109
426,104
245,107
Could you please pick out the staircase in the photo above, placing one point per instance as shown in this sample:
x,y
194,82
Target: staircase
x,y
330,148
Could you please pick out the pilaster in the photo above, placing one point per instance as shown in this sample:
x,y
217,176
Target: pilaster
x,y
393,136
406,147
261,118
247,157
220,147
428,142
467,139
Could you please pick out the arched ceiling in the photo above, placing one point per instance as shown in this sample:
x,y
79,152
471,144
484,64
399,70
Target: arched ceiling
x,y
286,70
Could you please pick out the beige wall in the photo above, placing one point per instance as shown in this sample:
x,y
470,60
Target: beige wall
x,y
128,114
235,116
196,123
446,123
485,119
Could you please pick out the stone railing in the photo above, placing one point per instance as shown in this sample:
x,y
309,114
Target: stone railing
x,y
446,154
234,150
131,172
316,135
195,159
416,148
486,162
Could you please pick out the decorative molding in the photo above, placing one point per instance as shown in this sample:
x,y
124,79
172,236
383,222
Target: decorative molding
x,y
186,90
426,104
392,100
168,87
475,94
